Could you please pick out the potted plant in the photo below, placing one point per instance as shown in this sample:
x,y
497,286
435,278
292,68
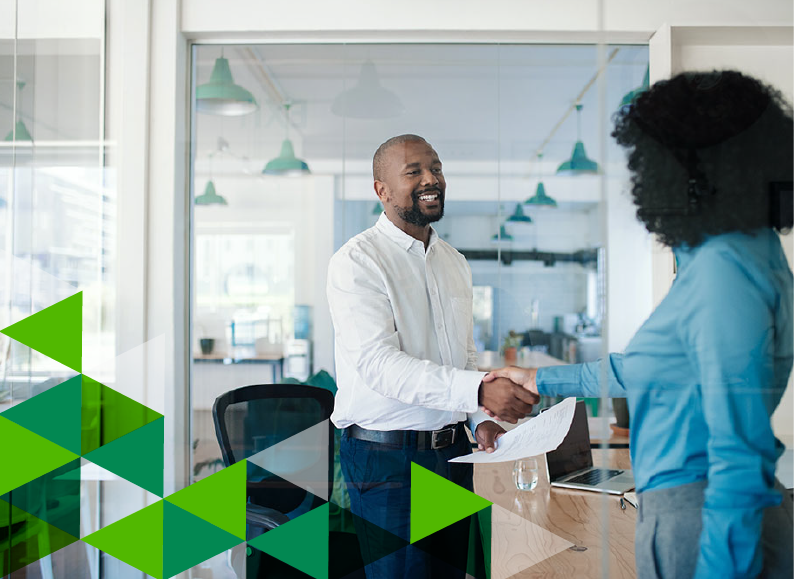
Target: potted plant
x,y
510,347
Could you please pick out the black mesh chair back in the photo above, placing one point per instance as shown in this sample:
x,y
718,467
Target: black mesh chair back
x,y
253,418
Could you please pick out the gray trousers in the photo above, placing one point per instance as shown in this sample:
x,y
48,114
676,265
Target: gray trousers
x,y
667,540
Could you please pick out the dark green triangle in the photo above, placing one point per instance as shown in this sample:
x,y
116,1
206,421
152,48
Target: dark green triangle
x,y
345,555
25,456
136,457
26,538
189,540
56,332
108,415
53,414
437,503
136,540
219,499
301,543
53,498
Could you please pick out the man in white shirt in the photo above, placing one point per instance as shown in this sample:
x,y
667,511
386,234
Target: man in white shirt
x,y
401,303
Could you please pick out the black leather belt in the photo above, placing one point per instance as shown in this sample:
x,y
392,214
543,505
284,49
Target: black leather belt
x,y
421,439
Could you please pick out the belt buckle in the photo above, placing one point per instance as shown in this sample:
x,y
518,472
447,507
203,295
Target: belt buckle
x,y
442,438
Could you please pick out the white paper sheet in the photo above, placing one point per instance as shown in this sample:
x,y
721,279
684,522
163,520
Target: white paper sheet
x,y
536,436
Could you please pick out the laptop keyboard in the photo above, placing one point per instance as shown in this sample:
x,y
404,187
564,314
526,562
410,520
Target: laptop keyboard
x,y
595,476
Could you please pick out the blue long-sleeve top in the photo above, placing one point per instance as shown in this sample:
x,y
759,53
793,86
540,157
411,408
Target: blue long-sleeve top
x,y
702,377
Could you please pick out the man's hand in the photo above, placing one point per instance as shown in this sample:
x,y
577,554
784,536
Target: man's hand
x,y
524,377
506,399
487,434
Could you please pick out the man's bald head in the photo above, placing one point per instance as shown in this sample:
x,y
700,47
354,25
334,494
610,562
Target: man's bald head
x,y
379,160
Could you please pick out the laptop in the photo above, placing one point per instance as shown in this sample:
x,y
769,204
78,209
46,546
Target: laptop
x,y
570,466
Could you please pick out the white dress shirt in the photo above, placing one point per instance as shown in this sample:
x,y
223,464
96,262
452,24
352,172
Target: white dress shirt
x,y
405,354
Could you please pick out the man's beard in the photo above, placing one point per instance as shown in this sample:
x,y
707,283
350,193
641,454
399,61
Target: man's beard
x,y
414,215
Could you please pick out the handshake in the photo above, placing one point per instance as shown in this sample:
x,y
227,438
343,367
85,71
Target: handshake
x,y
509,393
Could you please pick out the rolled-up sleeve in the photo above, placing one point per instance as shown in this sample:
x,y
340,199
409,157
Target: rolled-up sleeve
x,y
728,329
587,380
366,336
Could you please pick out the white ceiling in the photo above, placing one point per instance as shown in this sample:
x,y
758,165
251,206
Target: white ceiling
x,y
485,103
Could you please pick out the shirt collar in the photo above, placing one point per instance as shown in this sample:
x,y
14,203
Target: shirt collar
x,y
400,237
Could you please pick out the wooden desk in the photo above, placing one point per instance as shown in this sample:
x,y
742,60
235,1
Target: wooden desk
x,y
591,520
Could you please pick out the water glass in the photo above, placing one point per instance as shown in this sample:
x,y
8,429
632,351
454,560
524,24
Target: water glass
x,y
525,474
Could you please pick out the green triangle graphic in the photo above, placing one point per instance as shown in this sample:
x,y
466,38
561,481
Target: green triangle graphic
x,y
189,540
53,497
25,455
218,499
53,414
136,457
56,331
108,415
437,503
302,543
29,539
137,540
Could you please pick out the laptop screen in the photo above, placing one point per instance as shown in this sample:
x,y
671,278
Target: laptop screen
x,y
574,453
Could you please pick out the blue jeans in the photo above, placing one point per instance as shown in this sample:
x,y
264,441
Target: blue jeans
x,y
378,478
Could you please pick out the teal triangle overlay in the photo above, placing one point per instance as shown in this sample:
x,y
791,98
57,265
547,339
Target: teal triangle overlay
x,y
53,498
301,543
53,414
189,540
56,332
136,457
437,503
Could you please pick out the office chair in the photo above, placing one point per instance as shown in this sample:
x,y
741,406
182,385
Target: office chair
x,y
252,418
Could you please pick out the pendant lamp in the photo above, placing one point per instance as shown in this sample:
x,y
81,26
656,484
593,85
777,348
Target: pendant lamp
x,y
210,197
503,235
518,216
221,96
540,199
286,163
578,164
378,209
22,133
630,97
367,99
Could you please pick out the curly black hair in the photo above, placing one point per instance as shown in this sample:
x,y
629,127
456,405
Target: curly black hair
x,y
709,153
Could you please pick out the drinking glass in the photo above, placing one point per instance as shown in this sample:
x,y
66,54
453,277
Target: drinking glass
x,y
525,474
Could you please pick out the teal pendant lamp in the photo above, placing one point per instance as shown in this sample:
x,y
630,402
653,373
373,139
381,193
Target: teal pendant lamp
x,y
579,163
378,209
210,197
503,235
540,199
518,216
221,96
286,163
22,133
631,96
367,99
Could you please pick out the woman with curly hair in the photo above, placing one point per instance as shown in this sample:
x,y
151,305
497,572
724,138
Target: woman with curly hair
x,y
711,161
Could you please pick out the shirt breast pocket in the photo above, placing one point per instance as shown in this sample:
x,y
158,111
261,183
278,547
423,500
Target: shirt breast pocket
x,y
462,321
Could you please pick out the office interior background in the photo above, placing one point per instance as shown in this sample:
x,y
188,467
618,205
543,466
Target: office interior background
x,y
200,236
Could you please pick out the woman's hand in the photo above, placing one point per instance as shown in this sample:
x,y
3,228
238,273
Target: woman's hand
x,y
524,377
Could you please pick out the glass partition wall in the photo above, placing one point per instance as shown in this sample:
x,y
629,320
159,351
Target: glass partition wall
x,y
536,201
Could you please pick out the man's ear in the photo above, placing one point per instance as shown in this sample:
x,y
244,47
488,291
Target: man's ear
x,y
381,191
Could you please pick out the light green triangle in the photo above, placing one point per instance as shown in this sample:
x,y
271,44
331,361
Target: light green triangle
x,y
137,540
53,414
136,457
302,542
108,415
219,499
189,540
56,332
437,503
25,456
